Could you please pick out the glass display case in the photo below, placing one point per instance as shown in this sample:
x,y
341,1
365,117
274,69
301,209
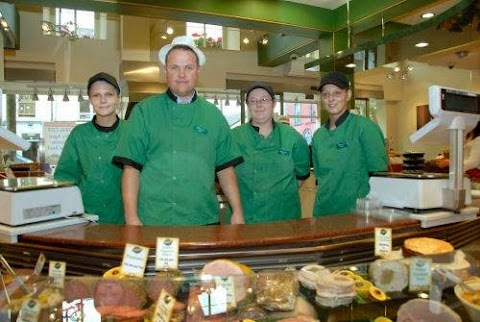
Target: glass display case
x,y
312,293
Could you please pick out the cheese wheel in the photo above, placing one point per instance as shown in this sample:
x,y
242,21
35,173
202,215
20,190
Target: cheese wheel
x,y
389,275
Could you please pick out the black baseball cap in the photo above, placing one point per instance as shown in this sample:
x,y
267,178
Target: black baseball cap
x,y
265,86
103,77
336,78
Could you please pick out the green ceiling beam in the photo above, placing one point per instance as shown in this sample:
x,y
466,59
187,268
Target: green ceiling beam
x,y
291,22
276,16
367,14
280,49
394,34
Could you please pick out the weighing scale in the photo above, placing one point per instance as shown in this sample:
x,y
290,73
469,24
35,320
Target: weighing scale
x,y
436,199
30,204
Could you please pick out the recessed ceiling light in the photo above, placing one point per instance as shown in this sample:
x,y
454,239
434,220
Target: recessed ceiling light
x,y
427,15
421,44
351,65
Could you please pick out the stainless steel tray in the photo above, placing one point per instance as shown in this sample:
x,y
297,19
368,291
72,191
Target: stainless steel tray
x,y
419,175
31,183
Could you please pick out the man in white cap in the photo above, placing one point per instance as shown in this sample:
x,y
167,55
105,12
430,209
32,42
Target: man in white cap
x,y
174,144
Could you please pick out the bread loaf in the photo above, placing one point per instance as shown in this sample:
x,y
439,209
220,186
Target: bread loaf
x,y
439,250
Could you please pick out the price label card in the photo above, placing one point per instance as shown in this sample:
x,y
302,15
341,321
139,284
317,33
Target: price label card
x,y
383,241
167,253
213,301
42,259
420,273
57,271
164,307
134,260
29,311
229,286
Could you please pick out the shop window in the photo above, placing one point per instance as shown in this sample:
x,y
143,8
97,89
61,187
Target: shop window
x,y
213,36
79,23
303,117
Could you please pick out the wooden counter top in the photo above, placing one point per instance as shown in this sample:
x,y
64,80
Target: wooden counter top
x,y
215,236
329,241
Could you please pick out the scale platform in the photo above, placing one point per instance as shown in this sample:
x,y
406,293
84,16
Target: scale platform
x,y
9,234
444,217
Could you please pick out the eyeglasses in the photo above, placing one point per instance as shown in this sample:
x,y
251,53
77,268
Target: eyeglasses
x,y
327,96
262,101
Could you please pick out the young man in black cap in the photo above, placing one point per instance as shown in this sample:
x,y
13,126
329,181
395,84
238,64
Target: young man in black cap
x,y
344,150
276,161
86,157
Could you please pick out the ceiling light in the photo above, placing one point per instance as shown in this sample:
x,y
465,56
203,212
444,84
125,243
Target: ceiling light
x,y
264,40
164,35
421,44
427,15
462,53
351,65
246,40
4,23
169,30
65,96
50,95
396,69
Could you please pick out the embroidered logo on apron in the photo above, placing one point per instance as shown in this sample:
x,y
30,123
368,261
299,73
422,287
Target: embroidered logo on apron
x,y
200,129
341,145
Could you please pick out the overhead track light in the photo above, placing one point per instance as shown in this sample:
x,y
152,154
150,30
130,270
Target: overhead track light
x,y
35,95
65,96
80,97
50,95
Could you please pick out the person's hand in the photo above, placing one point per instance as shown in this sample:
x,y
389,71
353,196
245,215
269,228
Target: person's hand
x,y
237,218
133,222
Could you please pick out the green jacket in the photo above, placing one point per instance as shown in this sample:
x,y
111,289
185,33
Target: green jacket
x,y
86,160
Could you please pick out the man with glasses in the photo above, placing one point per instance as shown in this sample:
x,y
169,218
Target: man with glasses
x,y
276,161
173,146
344,150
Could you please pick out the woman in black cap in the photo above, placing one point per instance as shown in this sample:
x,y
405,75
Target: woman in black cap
x,y
344,150
86,157
276,161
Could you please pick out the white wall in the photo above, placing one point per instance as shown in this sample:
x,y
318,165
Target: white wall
x,y
414,92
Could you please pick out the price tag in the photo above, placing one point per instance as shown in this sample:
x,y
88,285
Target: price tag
x,y
41,260
134,260
29,311
229,286
420,277
166,253
57,271
213,301
164,308
383,241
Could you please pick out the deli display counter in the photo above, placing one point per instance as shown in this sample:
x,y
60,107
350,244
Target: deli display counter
x,y
342,244
91,248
